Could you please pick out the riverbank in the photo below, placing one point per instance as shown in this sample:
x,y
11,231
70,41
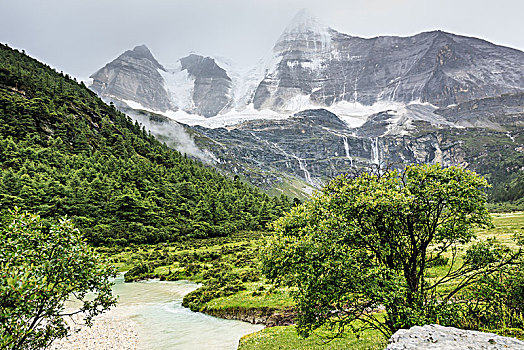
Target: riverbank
x,y
268,317
111,330
149,315
227,267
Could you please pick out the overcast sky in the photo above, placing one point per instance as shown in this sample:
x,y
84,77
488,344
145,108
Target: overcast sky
x,y
81,36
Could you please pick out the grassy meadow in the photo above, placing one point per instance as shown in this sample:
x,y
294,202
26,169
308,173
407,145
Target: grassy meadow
x,y
228,266
287,338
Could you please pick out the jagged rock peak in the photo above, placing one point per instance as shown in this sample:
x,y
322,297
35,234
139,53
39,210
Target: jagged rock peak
x,y
143,52
211,92
305,22
304,28
134,75
201,66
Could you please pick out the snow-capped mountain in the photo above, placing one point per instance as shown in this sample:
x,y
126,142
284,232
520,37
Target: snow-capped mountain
x,y
313,66
323,102
318,65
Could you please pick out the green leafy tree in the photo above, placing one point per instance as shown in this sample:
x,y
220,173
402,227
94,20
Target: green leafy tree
x,y
364,243
41,268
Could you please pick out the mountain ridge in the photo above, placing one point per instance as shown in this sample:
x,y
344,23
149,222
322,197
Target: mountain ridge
x,y
424,98
436,67
63,151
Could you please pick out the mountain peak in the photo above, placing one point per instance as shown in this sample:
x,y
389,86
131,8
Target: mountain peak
x,y
143,52
305,22
306,30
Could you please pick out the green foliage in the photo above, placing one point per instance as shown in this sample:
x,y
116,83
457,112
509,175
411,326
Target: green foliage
x,y
225,285
498,300
365,243
227,267
65,152
141,271
42,267
512,190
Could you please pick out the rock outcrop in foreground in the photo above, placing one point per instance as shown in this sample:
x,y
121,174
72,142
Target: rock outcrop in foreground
x,y
444,338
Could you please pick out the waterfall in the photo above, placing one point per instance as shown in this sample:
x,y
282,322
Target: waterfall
x,y
375,155
302,165
346,147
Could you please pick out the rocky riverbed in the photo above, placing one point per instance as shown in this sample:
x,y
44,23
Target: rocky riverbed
x,y
112,330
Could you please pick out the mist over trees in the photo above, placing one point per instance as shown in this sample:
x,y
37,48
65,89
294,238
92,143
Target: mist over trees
x,y
65,152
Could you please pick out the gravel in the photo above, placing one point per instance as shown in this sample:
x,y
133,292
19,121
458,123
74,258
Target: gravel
x,y
110,331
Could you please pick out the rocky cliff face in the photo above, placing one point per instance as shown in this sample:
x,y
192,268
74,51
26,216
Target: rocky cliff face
x,y
212,86
133,76
326,103
315,146
491,113
316,64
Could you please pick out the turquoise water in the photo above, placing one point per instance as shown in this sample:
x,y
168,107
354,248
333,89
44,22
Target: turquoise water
x,y
162,323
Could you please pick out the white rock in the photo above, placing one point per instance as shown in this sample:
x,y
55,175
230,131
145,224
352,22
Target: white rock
x,y
444,338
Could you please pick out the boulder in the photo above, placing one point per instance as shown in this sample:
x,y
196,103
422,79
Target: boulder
x,y
444,338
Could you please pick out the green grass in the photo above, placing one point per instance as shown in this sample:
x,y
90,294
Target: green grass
x,y
238,254
256,295
287,338
506,226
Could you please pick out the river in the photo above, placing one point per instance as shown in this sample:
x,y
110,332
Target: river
x,y
162,323
149,316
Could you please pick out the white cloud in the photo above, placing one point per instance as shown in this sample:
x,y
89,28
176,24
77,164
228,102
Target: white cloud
x,y
79,36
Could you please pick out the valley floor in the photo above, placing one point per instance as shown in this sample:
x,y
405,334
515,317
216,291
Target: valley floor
x,y
232,285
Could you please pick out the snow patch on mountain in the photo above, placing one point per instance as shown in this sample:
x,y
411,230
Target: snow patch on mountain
x,y
244,81
230,118
297,103
180,85
355,114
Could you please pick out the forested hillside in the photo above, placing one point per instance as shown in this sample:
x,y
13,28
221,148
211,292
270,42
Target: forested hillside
x,y
65,152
